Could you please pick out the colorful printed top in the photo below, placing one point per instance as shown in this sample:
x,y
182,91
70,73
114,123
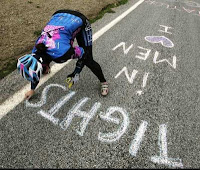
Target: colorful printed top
x,y
59,33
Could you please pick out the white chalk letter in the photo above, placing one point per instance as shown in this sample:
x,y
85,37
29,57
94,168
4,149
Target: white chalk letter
x,y
75,111
197,14
192,4
44,96
130,79
166,29
112,137
143,56
150,2
50,114
124,48
138,139
189,10
164,60
173,8
158,3
163,158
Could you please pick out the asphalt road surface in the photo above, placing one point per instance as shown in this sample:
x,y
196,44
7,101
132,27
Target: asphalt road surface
x,y
151,117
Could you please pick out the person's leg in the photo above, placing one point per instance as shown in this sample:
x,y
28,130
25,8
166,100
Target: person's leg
x,y
84,39
93,65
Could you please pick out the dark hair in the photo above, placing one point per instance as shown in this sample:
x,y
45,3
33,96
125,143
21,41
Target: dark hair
x,y
41,48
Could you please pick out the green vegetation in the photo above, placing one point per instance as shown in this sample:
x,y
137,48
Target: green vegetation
x,y
108,9
10,66
37,6
37,33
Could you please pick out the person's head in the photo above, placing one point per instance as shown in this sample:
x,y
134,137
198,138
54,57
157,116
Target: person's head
x,y
41,48
29,67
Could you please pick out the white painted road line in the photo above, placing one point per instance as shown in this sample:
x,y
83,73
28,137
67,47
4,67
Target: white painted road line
x,y
18,97
116,20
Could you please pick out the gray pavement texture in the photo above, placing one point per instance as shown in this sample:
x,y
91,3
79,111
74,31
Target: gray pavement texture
x,y
170,97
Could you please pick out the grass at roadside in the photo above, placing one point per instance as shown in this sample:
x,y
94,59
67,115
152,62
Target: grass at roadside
x,y
11,64
108,9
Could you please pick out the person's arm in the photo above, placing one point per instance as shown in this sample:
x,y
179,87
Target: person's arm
x,y
31,92
34,85
74,77
79,66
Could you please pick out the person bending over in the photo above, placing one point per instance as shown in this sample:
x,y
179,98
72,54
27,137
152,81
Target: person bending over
x,y
56,44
